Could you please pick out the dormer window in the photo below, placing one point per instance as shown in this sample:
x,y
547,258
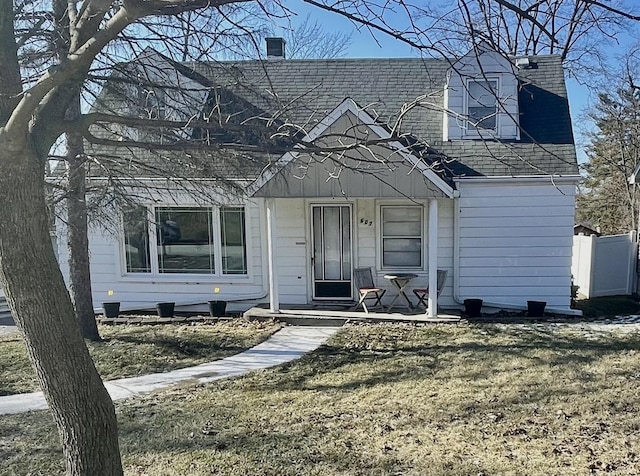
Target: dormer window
x,y
481,98
153,102
482,105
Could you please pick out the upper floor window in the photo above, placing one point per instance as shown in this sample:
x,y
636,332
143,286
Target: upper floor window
x,y
153,102
194,240
152,106
482,105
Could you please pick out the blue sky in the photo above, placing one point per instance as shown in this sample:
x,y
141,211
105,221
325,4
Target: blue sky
x,y
363,45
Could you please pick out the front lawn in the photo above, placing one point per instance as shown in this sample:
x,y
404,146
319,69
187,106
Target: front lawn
x,y
389,400
133,350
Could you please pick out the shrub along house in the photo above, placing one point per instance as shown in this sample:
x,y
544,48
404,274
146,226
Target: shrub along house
x,y
419,165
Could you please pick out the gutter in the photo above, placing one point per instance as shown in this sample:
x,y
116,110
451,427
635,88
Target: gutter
x,y
456,273
521,178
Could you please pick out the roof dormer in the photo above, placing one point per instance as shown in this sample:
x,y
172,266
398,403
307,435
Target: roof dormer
x,y
154,87
481,97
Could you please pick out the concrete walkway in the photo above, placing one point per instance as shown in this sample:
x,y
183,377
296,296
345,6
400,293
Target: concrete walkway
x,y
7,326
6,330
288,344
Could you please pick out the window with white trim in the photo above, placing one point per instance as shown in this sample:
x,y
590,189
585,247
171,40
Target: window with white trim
x,y
233,240
402,236
136,240
482,105
184,239
193,240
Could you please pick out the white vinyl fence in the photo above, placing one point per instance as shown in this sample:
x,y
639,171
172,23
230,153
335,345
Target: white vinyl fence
x,y
604,265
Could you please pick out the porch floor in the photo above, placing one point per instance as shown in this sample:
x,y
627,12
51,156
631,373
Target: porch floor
x,y
298,314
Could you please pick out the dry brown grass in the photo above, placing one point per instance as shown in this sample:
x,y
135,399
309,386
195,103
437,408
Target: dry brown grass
x,y
133,350
390,400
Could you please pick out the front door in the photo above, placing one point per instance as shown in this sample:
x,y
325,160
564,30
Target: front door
x,y
331,259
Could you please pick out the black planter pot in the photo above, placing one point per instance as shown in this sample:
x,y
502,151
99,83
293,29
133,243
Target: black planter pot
x,y
536,308
472,307
217,308
165,309
111,309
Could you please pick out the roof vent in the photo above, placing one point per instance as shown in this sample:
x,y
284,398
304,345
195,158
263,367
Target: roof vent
x,y
523,63
275,47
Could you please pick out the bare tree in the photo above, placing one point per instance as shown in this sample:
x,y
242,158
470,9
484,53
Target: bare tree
x,y
36,93
310,39
307,40
73,182
578,31
609,199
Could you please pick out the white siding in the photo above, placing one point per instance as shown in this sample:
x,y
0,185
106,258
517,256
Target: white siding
x,y
368,246
138,290
294,245
445,249
514,245
293,252
373,171
293,248
515,242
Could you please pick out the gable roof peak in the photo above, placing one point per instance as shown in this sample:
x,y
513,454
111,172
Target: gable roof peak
x,y
363,118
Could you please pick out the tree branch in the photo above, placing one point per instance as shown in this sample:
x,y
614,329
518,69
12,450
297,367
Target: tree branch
x,y
10,78
617,11
524,14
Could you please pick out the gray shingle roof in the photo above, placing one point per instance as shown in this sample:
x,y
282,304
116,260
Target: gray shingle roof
x,y
305,91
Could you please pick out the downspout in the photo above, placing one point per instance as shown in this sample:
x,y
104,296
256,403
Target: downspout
x,y
456,274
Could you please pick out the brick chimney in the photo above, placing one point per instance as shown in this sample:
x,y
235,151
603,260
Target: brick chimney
x,y
275,47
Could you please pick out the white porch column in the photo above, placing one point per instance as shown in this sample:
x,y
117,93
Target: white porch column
x,y
274,302
432,310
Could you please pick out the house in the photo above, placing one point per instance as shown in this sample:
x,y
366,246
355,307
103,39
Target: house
x,y
582,229
419,164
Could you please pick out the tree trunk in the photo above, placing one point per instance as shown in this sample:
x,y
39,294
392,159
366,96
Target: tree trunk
x,y
43,311
77,233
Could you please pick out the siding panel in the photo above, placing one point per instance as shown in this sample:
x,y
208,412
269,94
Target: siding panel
x,y
502,242
515,232
516,242
523,221
293,246
516,212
